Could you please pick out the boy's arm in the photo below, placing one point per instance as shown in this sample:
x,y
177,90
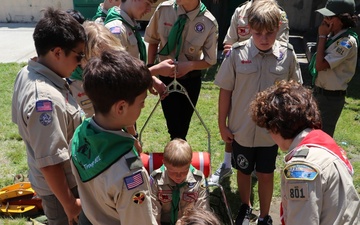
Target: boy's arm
x,y
56,179
224,107
323,30
152,51
156,205
185,67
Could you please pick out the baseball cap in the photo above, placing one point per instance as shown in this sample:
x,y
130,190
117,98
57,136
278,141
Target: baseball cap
x,y
336,7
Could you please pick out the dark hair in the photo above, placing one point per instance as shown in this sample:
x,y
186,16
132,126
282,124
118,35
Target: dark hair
x,y
199,216
76,15
348,20
57,29
114,76
286,108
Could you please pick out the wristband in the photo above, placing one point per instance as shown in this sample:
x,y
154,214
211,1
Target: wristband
x,y
322,36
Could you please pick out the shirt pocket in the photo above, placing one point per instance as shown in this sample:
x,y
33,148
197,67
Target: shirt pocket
x,y
193,45
246,68
132,40
278,72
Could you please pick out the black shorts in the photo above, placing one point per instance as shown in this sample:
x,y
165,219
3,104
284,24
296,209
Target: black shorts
x,y
247,159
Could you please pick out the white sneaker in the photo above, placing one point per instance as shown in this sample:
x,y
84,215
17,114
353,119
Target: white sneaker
x,y
220,174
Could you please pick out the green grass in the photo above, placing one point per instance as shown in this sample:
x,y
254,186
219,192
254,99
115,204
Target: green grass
x,y
155,136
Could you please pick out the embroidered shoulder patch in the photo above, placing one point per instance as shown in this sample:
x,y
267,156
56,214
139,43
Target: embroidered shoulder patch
x,y
134,180
44,106
115,30
346,44
45,119
300,171
139,198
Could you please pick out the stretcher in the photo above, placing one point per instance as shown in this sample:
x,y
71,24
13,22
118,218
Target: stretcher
x,y
19,199
200,160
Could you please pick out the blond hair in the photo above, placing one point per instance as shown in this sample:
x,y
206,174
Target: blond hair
x,y
177,153
264,15
99,39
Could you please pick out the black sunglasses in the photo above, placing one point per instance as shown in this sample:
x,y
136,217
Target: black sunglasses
x,y
79,56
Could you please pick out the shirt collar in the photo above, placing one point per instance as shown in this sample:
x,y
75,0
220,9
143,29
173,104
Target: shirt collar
x,y
296,142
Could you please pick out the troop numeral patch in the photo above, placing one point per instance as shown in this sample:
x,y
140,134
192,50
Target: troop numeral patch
x,y
297,191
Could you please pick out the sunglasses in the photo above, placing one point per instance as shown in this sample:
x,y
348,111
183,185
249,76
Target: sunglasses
x,y
79,56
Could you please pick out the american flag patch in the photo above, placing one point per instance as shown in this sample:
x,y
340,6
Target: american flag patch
x,y
115,30
44,106
134,181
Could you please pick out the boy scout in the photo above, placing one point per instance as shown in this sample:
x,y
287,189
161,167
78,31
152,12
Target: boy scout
x,y
184,31
47,114
249,67
177,185
334,63
113,184
103,8
316,183
238,31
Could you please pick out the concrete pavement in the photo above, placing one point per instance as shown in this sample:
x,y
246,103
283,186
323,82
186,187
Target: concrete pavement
x,y
16,44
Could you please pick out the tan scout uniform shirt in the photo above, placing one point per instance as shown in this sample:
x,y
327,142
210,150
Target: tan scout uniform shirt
x,y
125,33
199,35
246,71
329,199
112,202
192,194
81,98
342,57
239,29
46,115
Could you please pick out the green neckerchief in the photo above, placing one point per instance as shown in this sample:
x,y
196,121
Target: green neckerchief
x,y
93,150
99,13
114,15
77,74
312,64
174,38
175,199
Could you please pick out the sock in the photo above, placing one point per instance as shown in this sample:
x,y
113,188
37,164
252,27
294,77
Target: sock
x,y
227,159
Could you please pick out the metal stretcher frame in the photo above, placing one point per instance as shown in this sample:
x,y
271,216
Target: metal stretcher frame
x,y
175,86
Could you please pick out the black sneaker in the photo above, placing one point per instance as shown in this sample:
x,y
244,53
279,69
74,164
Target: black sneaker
x,y
243,217
266,221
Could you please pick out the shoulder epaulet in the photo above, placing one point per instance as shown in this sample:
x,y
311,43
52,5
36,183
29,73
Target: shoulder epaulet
x,y
210,16
287,45
166,3
134,163
238,44
302,152
197,173
156,172
242,4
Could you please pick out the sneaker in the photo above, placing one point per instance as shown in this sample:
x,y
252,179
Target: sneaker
x,y
220,174
243,217
266,221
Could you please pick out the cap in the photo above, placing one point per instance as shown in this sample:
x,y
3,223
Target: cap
x,y
336,7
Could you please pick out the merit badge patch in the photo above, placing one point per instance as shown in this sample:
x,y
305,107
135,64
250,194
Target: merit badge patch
x,y
45,119
44,106
300,171
190,196
199,27
134,181
138,198
242,162
115,30
165,196
297,191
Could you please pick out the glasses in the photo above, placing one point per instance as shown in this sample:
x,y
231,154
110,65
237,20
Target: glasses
x,y
79,56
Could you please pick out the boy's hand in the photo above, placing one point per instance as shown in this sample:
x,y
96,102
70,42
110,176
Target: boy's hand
x,y
226,135
325,28
226,49
183,68
73,211
138,146
166,68
158,88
